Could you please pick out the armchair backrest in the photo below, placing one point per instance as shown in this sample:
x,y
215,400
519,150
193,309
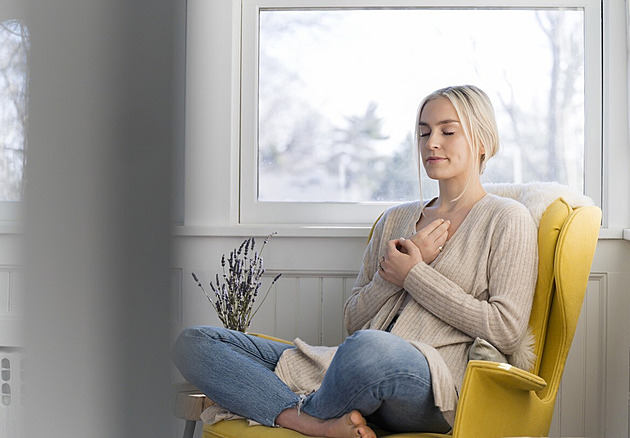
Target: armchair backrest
x,y
566,243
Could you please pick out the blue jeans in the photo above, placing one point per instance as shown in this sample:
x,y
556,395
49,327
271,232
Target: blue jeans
x,y
377,373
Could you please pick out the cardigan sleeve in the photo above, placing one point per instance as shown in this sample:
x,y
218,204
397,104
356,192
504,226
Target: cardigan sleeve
x,y
370,291
511,276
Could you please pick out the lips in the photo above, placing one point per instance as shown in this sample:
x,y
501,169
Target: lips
x,y
435,159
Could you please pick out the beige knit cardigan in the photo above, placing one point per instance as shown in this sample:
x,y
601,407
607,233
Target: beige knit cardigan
x,y
481,285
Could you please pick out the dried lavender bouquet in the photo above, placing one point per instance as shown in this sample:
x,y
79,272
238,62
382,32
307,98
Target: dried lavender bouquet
x,y
236,290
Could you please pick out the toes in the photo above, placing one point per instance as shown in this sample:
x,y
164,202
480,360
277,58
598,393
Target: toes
x,y
365,431
356,418
360,425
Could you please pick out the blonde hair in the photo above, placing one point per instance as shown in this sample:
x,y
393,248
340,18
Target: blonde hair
x,y
476,115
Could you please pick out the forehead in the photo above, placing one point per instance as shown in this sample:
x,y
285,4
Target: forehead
x,y
438,110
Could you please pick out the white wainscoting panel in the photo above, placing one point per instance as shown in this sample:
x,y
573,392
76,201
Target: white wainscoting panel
x,y
580,406
304,304
617,359
11,299
308,305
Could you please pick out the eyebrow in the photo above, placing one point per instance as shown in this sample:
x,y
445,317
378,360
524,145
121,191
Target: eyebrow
x,y
443,122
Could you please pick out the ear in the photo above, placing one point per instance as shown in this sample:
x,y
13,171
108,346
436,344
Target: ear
x,y
482,159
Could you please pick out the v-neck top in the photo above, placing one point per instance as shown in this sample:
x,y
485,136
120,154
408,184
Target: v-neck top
x,y
481,285
414,230
477,205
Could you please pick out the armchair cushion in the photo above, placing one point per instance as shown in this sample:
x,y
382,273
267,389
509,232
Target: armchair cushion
x,y
484,350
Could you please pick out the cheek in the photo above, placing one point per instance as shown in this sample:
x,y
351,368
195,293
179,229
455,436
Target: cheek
x,y
422,150
463,150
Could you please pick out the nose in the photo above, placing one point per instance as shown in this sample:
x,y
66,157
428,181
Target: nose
x,y
432,142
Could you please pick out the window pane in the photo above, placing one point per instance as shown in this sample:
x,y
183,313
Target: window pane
x,y
14,46
338,92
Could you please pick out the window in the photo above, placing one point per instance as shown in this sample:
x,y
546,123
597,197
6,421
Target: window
x,y
329,98
14,48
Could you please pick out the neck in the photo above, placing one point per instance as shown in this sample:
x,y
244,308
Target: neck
x,y
451,197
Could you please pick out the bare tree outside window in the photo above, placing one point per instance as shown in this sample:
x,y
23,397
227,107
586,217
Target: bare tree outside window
x,y
546,142
14,48
338,92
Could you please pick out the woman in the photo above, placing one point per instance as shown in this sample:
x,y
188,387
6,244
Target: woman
x,y
435,276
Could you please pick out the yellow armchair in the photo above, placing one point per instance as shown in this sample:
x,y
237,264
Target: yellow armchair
x,y
498,400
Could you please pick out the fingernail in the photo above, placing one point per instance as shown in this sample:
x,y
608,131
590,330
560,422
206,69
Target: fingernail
x,y
402,238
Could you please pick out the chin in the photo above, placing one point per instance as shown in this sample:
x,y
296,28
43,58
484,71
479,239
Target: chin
x,y
436,176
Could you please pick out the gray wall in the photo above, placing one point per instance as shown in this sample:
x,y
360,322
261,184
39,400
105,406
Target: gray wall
x,y
97,217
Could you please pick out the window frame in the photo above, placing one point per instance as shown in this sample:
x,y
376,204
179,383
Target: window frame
x,y
251,211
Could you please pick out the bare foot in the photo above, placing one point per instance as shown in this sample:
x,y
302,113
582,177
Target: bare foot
x,y
351,425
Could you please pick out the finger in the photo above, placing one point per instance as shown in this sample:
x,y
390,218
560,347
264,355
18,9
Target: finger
x,y
380,263
432,226
408,245
441,239
390,250
441,228
440,234
391,246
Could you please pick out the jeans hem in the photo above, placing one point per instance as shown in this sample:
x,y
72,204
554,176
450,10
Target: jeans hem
x,y
293,404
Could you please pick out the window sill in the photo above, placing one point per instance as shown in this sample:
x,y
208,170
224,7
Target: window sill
x,y
283,230
362,231
11,227
350,231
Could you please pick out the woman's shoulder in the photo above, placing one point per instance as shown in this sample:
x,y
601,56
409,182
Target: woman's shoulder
x,y
507,207
397,219
507,213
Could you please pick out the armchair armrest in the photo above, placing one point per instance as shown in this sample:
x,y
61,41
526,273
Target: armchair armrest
x,y
271,338
507,375
499,400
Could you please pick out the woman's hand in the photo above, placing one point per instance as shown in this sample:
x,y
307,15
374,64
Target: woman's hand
x,y
397,263
431,239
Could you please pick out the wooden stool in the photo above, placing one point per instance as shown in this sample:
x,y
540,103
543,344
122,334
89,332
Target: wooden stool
x,y
189,404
